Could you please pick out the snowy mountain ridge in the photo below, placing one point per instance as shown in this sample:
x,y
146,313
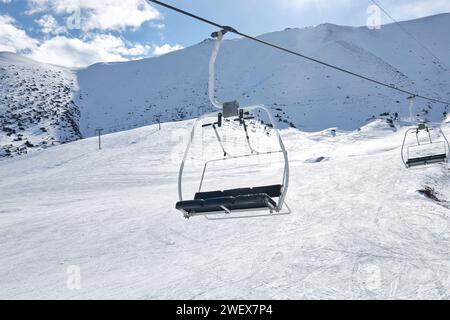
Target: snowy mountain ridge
x,y
36,106
302,94
172,87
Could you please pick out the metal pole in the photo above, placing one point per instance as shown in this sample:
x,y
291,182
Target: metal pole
x,y
157,117
99,131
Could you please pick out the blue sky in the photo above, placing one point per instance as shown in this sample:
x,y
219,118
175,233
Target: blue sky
x,y
77,33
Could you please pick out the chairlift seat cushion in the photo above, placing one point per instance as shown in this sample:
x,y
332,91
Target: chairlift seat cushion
x,y
254,201
426,160
190,205
241,202
273,191
218,202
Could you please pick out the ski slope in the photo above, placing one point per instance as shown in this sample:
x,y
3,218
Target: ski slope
x,y
359,228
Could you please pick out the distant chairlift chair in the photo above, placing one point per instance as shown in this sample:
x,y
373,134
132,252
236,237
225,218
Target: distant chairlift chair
x,y
234,203
424,153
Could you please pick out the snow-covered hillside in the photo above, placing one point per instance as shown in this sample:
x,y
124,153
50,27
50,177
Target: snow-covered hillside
x,y
361,226
42,105
36,105
118,96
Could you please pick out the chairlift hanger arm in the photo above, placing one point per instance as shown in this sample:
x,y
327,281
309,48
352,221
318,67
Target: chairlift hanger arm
x,y
411,105
212,69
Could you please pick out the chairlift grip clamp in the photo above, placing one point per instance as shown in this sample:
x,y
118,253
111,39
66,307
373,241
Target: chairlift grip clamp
x,y
222,32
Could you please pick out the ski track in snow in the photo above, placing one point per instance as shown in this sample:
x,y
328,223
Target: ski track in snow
x,y
358,229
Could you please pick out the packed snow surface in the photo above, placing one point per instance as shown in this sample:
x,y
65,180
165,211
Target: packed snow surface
x,y
362,225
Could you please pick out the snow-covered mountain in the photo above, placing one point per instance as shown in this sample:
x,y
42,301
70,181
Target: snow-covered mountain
x,y
36,106
302,94
43,105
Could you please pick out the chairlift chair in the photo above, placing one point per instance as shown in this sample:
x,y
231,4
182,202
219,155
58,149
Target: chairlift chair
x,y
255,201
424,149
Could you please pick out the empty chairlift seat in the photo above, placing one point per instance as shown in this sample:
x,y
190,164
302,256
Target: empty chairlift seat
x,y
420,147
426,160
218,205
231,200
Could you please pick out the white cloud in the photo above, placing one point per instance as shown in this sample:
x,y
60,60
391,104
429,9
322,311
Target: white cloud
x,y
100,14
49,25
119,46
72,52
76,53
166,48
5,1
12,38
